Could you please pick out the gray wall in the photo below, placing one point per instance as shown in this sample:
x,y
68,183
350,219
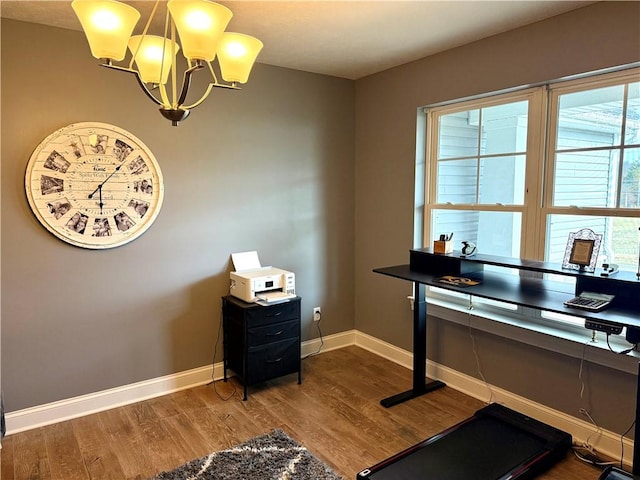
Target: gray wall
x,y
311,171
599,36
269,168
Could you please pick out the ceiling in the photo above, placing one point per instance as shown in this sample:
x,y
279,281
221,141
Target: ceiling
x,y
348,39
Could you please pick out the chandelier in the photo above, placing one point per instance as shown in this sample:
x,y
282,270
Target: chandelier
x,y
199,24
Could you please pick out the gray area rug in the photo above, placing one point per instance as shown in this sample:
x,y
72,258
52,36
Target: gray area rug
x,y
273,456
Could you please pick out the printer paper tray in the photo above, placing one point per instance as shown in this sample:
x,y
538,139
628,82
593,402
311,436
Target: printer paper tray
x,y
271,298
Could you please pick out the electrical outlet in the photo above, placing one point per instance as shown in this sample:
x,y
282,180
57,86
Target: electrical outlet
x,y
317,314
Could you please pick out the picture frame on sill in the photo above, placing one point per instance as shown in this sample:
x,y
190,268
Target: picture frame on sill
x,y
582,250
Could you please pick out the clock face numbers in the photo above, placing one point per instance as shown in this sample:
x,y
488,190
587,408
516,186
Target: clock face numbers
x,y
94,185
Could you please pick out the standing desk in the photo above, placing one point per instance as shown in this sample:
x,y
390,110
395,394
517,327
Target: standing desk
x,y
528,289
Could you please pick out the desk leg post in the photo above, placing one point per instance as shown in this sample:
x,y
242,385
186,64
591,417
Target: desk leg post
x,y
636,431
419,337
419,352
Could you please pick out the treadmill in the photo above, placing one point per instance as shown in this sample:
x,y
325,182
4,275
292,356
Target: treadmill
x,y
615,473
496,443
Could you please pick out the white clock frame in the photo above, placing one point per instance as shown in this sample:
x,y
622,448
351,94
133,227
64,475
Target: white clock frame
x,y
94,185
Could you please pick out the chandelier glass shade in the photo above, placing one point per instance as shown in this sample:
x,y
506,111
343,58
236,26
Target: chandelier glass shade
x,y
200,26
153,56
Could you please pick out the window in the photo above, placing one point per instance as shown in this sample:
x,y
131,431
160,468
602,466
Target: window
x,y
594,166
479,156
515,173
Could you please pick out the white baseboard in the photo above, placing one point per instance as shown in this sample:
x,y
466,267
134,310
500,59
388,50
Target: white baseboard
x,y
606,442
67,409
328,343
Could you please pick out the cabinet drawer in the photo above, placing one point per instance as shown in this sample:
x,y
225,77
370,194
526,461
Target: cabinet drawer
x,y
273,360
280,312
273,333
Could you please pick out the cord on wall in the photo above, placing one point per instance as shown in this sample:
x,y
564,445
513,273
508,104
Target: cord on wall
x,y
586,445
213,362
475,352
317,323
622,441
584,351
585,451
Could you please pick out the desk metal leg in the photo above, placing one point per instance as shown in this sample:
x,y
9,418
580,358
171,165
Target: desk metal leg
x,y
420,387
636,431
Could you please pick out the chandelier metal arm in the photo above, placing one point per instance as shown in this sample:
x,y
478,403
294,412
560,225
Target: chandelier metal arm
x,y
203,98
144,87
186,82
185,86
206,93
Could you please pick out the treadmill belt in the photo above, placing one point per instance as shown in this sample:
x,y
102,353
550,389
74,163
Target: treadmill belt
x,y
494,444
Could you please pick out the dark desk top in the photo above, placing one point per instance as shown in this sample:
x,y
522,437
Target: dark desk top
x,y
533,266
524,291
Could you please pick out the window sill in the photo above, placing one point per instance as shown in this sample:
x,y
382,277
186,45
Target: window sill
x,y
559,340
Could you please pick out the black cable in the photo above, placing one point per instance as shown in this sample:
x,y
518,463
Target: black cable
x,y
213,365
321,343
590,457
476,354
622,441
623,352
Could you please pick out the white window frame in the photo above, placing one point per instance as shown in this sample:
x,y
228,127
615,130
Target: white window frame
x,y
537,203
535,149
547,208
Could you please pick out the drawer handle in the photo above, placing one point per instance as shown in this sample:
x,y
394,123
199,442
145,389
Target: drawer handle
x,y
275,361
274,314
275,334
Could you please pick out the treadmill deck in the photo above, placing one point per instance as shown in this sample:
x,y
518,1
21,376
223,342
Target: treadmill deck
x,y
496,443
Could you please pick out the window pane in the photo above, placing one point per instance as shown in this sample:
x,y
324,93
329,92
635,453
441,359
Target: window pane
x,y
466,299
458,135
502,180
559,317
586,179
590,119
591,122
495,303
495,233
457,181
504,128
632,129
630,194
481,155
620,238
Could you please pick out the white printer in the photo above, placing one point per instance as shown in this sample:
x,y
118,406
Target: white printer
x,y
252,282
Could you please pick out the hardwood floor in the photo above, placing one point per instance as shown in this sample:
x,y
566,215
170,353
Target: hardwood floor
x,y
335,413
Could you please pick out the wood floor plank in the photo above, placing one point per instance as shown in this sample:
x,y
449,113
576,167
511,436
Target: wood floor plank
x,y
164,406
98,454
63,452
187,436
335,413
127,443
6,460
30,458
164,453
313,425
216,433
238,420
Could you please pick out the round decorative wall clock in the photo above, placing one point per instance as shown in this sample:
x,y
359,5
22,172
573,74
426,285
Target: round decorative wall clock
x,y
94,185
